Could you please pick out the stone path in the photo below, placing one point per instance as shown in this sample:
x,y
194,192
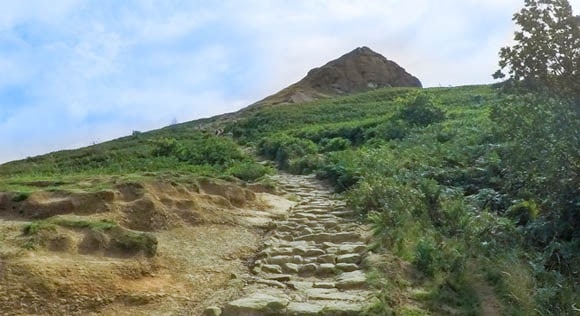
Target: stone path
x,y
311,263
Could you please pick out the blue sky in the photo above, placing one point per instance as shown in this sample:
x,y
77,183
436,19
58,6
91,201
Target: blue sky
x,y
79,72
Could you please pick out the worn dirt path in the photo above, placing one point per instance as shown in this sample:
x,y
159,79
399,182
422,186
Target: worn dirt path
x,y
311,263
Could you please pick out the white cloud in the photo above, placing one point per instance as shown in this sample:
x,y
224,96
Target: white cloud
x,y
96,70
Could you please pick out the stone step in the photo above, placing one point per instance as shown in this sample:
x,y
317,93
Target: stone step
x,y
311,261
335,238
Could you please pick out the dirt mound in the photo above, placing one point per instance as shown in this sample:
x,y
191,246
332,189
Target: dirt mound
x,y
359,70
44,204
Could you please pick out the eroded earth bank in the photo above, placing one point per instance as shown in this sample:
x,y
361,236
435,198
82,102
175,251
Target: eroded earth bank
x,y
184,247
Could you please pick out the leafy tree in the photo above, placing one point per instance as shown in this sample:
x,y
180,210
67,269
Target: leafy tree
x,y
541,124
546,52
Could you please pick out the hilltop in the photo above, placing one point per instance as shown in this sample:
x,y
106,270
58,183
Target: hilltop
x,y
357,71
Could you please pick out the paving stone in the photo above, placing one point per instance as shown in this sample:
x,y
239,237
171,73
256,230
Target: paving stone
x,y
279,260
303,309
326,269
291,267
349,258
309,268
351,280
342,309
347,267
213,311
324,285
327,258
351,248
279,277
271,268
331,294
257,304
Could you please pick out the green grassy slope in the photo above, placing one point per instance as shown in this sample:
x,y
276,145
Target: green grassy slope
x,y
426,167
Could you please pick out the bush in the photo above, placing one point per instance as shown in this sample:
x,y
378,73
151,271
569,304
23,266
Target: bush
x,y
427,256
249,170
341,169
335,144
523,212
283,148
420,110
306,164
394,129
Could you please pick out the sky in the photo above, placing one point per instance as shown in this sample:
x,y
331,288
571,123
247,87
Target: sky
x,y
75,73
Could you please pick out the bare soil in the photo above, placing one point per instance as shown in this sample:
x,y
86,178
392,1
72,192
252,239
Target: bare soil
x,y
205,235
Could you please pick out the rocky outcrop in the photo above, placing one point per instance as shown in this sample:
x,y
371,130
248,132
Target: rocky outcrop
x,y
360,70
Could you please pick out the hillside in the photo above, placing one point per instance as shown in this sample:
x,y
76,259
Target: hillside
x,y
455,228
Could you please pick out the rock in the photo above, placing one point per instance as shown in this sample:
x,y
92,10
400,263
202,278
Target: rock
x,y
324,285
308,269
331,294
351,248
335,238
271,283
347,267
342,309
212,311
256,305
303,309
272,268
351,280
279,260
291,267
329,258
326,269
349,258
314,252
279,277
304,215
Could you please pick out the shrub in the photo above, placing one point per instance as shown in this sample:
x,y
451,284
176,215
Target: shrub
x,y
249,170
282,148
335,144
427,256
523,212
166,147
394,129
306,164
341,169
420,110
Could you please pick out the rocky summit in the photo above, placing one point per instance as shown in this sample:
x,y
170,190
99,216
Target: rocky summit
x,y
357,71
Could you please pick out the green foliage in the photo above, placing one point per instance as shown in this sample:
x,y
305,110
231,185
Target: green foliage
x,y
523,212
283,148
335,144
540,127
390,130
546,52
131,242
420,110
20,196
341,169
427,256
249,170
35,227
51,224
